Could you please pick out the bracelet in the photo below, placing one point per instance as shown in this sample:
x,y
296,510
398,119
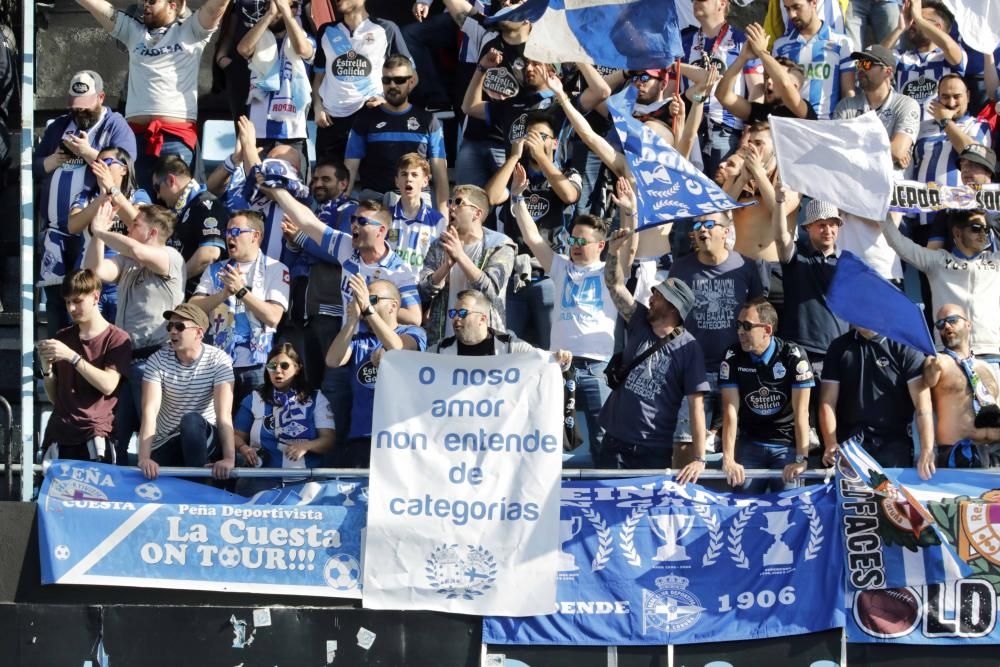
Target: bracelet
x,y
698,98
700,459
47,375
517,199
562,99
75,360
479,66
229,165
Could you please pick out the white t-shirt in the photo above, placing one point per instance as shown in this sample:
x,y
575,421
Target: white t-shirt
x,y
162,66
583,320
867,242
353,66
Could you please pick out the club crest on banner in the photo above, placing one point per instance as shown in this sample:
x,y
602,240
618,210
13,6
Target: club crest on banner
x,y
671,607
466,572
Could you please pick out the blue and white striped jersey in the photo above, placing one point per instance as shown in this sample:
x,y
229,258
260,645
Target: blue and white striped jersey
x,y
917,74
935,159
824,58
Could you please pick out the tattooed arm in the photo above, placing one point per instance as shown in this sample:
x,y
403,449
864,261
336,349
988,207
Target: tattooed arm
x,y
613,276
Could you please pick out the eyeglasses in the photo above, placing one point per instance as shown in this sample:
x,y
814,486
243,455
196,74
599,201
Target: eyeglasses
x,y
458,202
578,240
544,135
362,221
275,365
234,232
951,319
373,300
976,228
460,312
398,80
705,224
176,326
110,161
865,64
748,326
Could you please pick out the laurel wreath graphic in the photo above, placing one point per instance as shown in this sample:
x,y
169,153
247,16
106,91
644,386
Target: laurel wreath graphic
x,y
815,529
604,539
715,540
736,537
627,533
476,554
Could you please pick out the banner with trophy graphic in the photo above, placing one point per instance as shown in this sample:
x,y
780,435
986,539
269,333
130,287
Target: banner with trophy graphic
x,y
648,561
464,502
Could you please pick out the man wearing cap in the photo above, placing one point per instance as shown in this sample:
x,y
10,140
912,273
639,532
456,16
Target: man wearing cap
x,y
245,297
808,267
187,400
899,113
765,383
667,364
61,163
165,52
977,165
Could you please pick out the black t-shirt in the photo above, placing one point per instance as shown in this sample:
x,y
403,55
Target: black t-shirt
x,y
386,136
807,319
760,111
507,119
507,78
201,223
486,348
873,375
765,387
546,209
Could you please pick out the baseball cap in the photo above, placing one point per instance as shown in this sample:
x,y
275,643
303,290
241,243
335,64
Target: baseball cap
x,y
820,210
981,155
678,294
879,54
189,312
84,88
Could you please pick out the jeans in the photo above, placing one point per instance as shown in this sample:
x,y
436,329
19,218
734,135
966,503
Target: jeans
x,y
128,412
474,164
422,38
619,454
331,142
195,444
722,140
591,392
529,311
144,163
317,336
881,16
248,378
337,391
767,456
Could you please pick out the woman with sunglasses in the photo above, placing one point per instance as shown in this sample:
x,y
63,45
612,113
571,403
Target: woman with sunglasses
x,y
283,424
114,174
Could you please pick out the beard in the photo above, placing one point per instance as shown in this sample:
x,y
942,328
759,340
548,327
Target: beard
x,y
85,118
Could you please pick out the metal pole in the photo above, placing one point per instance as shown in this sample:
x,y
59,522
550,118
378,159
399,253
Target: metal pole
x,y
27,246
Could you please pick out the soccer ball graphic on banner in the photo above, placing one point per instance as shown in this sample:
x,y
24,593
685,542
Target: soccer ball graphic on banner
x,y
148,491
342,572
229,557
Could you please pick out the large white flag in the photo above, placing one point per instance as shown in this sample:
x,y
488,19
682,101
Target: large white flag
x,y
842,162
463,500
978,22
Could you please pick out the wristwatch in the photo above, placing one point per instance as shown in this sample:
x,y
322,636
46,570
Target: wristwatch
x,y
799,458
242,293
114,191
368,312
943,122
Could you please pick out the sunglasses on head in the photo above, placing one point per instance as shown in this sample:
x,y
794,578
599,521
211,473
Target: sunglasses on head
x,y
460,312
748,326
362,221
951,319
110,161
176,326
578,240
234,232
275,365
398,80
705,224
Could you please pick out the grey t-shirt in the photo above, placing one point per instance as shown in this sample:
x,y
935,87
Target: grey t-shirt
x,y
143,296
719,292
644,409
900,114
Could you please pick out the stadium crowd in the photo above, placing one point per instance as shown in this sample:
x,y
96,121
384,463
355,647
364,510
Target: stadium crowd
x,y
240,319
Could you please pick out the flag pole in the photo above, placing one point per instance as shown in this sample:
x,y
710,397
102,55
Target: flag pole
x,y
677,87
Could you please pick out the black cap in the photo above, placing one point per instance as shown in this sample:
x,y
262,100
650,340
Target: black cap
x,y
877,53
981,155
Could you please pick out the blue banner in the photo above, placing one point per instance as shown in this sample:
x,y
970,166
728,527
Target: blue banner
x,y
668,187
106,525
965,510
647,561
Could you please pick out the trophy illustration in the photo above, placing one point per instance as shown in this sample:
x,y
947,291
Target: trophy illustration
x,y
568,529
778,553
346,488
671,528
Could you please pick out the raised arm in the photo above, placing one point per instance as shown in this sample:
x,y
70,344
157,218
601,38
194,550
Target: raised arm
x,y
459,10
248,44
784,83
784,239
597,89
496,187
473,103
300,215
211,13
952,51
152,257
103,11
615,279
595,142
529,230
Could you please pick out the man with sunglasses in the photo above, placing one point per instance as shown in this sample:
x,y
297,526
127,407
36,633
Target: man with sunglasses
x,y
375,304
765,383
968,275
245,298
198,236
964,391
61,162
187,401
165,50
722,280
381,135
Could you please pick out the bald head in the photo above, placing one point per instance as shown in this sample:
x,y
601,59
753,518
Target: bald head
x,y
289,154
951,309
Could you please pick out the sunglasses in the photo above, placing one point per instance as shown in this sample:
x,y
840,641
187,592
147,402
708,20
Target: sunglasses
x,y
398,80
234,232
643,77
976,228
460,312
275,365
705,224
362,221
578,240
373,300
866,64
110,161
176,326
748,326
458,202
951,319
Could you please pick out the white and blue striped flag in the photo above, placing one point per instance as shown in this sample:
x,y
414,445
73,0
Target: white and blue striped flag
x,y
891,540
626,34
